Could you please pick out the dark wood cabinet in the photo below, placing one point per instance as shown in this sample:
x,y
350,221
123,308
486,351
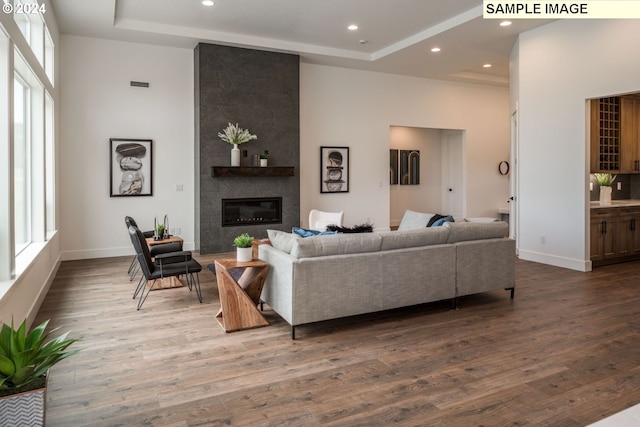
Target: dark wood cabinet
x,y
603,231
615,134
627,232
615,234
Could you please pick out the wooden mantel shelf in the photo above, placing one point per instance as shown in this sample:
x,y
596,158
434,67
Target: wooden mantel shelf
x,y
220,171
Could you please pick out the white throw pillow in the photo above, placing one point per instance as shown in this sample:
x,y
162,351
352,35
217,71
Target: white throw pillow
x,y
412,220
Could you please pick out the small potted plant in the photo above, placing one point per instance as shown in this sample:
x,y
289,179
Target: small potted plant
x,y
235,135
25,360
263,159
243,244
605,180
159,232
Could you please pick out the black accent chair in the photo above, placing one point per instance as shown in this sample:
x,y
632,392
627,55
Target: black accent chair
x,y
164,265
155,250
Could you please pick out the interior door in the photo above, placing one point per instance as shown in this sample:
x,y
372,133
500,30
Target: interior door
x,y
513,180
453,188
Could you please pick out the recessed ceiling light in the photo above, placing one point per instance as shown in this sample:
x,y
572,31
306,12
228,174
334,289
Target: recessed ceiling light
x,y
207,2
505,23
435,49
352,27
486,66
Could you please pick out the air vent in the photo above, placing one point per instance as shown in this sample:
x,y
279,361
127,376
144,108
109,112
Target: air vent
x,y
139,84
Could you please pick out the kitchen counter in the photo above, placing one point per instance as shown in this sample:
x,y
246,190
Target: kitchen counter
x,y
616,204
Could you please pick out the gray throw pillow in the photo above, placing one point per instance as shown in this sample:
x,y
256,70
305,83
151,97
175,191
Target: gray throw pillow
x,y
282,240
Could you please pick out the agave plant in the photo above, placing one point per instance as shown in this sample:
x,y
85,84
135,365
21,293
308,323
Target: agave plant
x,y
24,358
605,179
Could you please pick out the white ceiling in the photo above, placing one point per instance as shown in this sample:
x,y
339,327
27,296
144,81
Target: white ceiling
x,y
399,34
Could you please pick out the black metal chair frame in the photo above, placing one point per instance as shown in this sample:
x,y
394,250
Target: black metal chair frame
x,y
164,265
134,267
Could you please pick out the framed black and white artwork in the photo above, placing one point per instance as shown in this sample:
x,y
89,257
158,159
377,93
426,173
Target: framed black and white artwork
x,y
334,169
130,167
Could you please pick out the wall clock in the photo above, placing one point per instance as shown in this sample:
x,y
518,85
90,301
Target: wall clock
x,y
503,167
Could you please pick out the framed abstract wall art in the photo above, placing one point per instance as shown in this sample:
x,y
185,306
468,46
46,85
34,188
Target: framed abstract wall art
x,y
393,167
334,169
409,167
130,167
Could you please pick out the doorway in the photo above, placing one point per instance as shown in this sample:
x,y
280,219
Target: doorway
x,y
441,187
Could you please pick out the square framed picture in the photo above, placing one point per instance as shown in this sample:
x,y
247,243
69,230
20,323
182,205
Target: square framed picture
x,y
334,169
131,167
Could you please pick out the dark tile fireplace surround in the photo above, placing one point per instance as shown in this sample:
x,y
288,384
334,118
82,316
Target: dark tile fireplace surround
x,y
259,91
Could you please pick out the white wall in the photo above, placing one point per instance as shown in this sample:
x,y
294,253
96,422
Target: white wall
x,y
97,104
560,65
338,107
344,107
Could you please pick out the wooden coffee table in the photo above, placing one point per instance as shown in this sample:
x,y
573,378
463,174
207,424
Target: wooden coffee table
x,y
239,299
168,282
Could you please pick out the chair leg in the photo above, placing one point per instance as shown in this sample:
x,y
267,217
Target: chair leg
x,y
141,284
134,272
133,264
196,284
143,295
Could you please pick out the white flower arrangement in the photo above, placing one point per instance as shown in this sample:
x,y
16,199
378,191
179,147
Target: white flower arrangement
x,y
233,134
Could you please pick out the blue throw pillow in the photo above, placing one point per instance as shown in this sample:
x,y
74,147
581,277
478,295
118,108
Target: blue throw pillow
x,y
303,232
441,221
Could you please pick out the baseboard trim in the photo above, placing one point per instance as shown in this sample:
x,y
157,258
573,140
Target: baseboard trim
x,y
572,264
108,252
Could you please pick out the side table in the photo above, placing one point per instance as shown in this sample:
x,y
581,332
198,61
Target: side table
x,y
239,299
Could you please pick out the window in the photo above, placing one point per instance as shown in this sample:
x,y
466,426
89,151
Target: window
x,y
50,172
27,137
21,163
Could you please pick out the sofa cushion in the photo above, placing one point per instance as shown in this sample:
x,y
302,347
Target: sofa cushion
x,y
464,231
412,220
338,244
413,238
282,240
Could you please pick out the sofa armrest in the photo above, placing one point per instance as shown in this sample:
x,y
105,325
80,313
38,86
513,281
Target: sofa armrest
x,y
278,289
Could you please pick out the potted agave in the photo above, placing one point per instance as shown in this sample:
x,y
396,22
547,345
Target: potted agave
x,y
235,135
605,180
25,359
243,244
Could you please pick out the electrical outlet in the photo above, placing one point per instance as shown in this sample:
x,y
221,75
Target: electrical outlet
x,y
179,187
619,186
543,240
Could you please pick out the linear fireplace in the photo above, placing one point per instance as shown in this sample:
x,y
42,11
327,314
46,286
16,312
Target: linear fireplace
x,y
258,210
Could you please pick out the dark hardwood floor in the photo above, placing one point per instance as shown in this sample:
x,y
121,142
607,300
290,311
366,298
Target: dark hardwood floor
x,y
564,352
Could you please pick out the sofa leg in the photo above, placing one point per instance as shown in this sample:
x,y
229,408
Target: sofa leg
x,y
293,332
513,290
454,303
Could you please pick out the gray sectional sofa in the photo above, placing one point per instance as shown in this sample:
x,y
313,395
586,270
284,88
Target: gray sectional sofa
x,y
332,276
